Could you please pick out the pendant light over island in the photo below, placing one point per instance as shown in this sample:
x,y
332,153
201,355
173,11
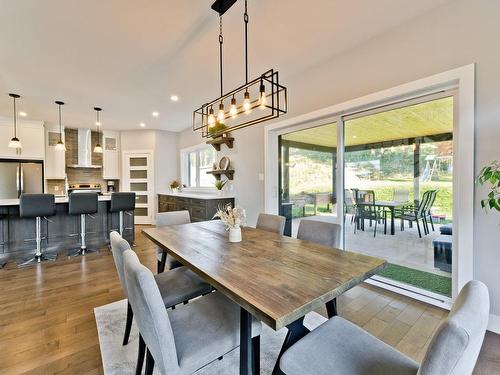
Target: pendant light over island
x,y
15,142
60,144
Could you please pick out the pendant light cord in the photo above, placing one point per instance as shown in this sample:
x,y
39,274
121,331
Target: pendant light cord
x,y
245,18
221,42
15,118
60,124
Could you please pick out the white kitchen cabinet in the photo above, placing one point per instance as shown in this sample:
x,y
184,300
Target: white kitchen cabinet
x,y
55,160
30,133
111,155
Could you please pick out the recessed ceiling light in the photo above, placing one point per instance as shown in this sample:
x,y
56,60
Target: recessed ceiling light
x,y
142,125
22,114
155,114
174,98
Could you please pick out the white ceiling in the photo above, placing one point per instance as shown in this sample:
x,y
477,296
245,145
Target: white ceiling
x,y
129,56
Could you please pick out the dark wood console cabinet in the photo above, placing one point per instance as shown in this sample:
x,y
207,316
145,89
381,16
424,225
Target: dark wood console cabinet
x,y
199,209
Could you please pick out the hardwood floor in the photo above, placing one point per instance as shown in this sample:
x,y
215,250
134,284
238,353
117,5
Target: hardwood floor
x,y
47,323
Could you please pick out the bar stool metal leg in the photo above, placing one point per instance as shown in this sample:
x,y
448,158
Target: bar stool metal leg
x,y
83,236
39,256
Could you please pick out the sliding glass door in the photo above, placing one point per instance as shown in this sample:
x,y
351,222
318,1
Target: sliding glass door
x,y
398,168
391,169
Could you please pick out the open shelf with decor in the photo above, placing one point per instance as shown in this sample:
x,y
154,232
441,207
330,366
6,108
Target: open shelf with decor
x,y
224,140
229,173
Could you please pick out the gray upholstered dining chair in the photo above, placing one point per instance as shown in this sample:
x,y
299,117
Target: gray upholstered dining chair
x,y
177,286
340,347
183,340
320,232
323,233
271,223
164,219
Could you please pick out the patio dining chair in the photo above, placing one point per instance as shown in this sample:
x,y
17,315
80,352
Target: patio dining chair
x,y
428,213
367,210
415,214
349,204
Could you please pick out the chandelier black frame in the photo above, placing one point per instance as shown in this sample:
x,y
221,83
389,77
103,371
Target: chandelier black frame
x,y
274,101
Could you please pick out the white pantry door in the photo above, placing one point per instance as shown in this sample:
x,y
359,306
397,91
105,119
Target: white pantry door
x,y
138,177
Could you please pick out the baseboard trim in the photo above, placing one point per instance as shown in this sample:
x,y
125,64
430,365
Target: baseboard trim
x,y
494,323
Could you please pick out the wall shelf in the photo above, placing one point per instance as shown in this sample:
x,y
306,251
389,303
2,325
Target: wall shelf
x,y
217,142
229,173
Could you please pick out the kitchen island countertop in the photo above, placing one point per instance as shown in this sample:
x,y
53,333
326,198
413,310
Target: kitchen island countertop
x,y
15,201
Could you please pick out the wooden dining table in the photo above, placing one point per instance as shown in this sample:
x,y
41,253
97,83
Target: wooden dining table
x,y
276,279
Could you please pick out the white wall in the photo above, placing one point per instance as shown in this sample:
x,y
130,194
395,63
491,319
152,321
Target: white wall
x,y
457,34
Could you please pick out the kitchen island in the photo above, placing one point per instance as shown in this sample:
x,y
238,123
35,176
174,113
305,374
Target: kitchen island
x,y
60,232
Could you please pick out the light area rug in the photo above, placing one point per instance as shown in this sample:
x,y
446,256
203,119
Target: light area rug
x,y
121,360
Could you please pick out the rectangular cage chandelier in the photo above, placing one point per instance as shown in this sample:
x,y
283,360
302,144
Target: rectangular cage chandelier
x,y
256,101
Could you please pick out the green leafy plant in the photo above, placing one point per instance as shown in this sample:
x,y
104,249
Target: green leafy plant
x,y
175,185
216,129
219,184
490,175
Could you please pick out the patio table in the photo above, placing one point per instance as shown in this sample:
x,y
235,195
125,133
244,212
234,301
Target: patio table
x,y
391,205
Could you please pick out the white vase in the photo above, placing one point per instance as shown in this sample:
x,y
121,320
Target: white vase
x,y
235,234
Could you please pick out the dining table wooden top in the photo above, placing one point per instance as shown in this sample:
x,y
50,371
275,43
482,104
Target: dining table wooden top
x,y
277,279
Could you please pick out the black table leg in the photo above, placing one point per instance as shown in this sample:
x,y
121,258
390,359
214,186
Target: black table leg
x,y
393,231
296,331
245,342
331,308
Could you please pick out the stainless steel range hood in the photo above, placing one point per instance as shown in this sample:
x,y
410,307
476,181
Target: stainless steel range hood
x,y
84,150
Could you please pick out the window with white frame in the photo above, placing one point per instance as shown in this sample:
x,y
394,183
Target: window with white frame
x,y
196,162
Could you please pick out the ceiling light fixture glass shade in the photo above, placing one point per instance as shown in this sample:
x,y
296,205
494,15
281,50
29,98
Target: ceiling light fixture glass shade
x,y
60,144
15,142
273,103
98,147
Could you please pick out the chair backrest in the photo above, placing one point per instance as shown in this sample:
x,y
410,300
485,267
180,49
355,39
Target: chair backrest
x,y
401,195
431,201
150,314
172,218
271,223
118,247
424,203
124,201
82,203
455,346
37,205
320,232
365,196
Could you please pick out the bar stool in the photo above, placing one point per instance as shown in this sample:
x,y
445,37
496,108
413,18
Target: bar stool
x,y
82,204
122,202
37,206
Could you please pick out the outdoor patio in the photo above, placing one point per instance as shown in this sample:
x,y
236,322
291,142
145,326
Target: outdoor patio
x,y
404,248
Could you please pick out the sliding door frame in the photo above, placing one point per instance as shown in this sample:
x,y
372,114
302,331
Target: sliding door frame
x,y
461,80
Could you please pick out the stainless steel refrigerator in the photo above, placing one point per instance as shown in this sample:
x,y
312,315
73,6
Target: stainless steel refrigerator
x,y
18,176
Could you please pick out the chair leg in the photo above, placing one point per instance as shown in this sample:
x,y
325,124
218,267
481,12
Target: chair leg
x,y
140,356
150,364
128,324
162,262
331,308
432,222
426,227
375,229
256,355
418,227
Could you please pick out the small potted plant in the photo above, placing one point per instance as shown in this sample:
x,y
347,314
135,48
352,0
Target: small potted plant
x,y
490,175
216,129
219,185
233,218
175,186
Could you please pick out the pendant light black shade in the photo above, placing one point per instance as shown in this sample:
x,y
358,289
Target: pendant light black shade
x,y
98,147
60,144
15,142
